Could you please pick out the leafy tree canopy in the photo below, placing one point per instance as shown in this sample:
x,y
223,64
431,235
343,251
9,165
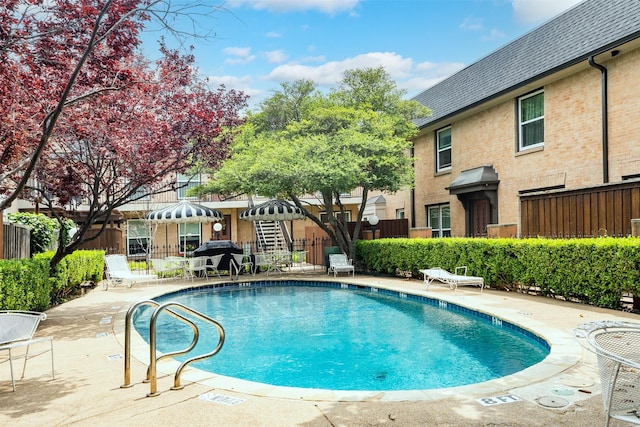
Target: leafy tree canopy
x,y
303,142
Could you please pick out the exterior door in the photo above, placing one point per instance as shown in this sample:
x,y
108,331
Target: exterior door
x,y
480,217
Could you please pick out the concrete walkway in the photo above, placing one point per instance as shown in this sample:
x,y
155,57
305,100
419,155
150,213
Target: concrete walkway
x,y
88,348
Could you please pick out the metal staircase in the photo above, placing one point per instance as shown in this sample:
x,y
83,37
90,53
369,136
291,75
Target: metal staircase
x,y
272,235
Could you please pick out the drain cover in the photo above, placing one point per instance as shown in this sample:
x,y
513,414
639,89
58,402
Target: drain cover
x,y
577,382
563,392
552,401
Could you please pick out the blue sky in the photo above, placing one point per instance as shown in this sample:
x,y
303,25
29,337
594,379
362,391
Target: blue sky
x,y
259,44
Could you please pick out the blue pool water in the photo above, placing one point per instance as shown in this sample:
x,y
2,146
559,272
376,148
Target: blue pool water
x,y
325,336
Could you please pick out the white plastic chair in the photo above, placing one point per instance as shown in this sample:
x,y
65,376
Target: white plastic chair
x,y
117,270
197,267
215,262
16,330
339,263
164,267
239,262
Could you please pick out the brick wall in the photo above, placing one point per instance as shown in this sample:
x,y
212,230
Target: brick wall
x,y
572,153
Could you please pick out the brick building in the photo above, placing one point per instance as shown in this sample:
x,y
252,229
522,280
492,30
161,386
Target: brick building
x,y
540,137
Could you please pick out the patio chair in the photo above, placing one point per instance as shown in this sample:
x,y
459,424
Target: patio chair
x,y
16,330
164,267
261,259
215,262
239,262
617,347
196,267
117,271
452,279
339,263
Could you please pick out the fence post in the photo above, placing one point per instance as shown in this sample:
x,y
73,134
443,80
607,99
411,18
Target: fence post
x,y
1,235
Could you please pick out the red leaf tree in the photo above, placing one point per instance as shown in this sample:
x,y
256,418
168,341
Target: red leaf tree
x,y
89,118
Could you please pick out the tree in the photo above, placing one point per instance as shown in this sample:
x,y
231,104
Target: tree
x,y
121,146
59,53
357,136
80,107
43,229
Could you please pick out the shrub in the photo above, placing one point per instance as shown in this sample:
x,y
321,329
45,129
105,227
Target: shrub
x,y
595,271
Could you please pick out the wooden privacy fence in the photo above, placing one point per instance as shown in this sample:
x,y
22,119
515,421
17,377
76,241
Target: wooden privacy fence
x,y
16,241
110,238
590,212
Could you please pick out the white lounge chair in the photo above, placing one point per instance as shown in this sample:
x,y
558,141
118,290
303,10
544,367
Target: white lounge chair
x,y
339,263
451,279
117,270
16,330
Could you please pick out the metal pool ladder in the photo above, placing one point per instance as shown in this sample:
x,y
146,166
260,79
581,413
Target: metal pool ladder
x,y
153,358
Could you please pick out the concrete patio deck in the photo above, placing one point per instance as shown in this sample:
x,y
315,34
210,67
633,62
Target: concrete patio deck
x,y
88,347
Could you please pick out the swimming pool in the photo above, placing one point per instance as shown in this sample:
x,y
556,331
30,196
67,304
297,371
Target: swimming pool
x,y
340,336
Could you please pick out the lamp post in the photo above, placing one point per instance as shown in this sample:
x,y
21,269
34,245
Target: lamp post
x,y
373,221
217,227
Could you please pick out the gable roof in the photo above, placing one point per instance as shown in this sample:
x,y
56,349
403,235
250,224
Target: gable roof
x,y
589,28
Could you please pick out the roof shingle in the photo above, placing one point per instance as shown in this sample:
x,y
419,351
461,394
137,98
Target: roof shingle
x,y
588,28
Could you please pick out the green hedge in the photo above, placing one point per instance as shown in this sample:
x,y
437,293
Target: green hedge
x,y
595,271
26,284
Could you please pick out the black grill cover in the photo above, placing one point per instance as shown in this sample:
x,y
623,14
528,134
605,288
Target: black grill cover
x,y
217,247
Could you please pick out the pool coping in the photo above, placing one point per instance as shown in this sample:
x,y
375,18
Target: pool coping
x,y
565,352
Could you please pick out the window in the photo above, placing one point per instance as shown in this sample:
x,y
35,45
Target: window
x,y
400,213
443,145
138,237
186,182
347,215
140,195
439,218
189,235
531,121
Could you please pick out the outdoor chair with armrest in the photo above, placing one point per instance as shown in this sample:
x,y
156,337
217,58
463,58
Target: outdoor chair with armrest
x,y
16,330
239,262
214,263
197,267
617,347
164,267
339,263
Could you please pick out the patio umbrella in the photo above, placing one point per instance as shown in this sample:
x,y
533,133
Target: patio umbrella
x,y
273,210
183,213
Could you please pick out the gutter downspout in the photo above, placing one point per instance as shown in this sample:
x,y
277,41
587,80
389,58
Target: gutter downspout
x,y
605,121
412,201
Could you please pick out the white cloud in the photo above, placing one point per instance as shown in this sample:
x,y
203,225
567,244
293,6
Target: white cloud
x,y
273,35
535,11
325,6
276,56
239,55
238,51
471,24
244,84
330,73
428,74
493,35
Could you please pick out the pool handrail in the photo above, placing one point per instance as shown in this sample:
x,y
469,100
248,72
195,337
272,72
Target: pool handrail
x,y
152,368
